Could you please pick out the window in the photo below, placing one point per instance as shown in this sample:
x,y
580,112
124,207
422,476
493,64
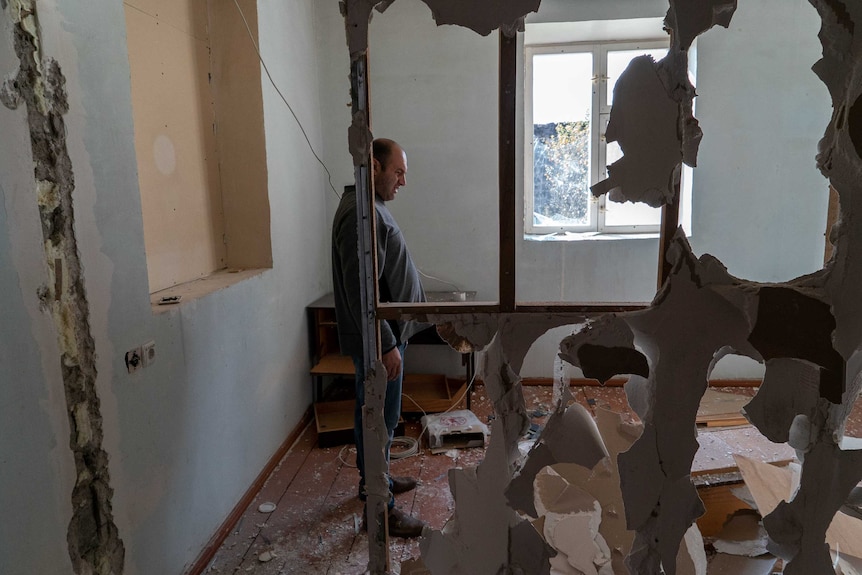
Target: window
x,y
568,97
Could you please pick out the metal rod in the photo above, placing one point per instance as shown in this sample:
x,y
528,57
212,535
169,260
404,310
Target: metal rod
x,y
375,461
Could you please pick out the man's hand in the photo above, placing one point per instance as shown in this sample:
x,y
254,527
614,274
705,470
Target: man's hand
x,y
392,363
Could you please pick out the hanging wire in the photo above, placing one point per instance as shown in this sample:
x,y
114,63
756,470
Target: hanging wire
x,y
283,99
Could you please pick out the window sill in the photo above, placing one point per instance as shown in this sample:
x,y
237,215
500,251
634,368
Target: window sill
x,y
588,236
196,289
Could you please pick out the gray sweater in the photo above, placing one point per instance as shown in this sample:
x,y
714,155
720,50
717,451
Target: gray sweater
x,y
397,277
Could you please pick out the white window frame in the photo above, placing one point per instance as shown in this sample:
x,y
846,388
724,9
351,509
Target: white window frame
x,y
598,122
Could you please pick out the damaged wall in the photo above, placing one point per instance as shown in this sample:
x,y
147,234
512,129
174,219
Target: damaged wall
x,y
186,436
444,167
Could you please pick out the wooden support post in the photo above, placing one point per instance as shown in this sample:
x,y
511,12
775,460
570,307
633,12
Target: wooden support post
x,y
669,224
507,149
375,462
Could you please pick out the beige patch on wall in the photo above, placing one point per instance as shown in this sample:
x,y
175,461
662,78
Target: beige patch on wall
x,y
181,199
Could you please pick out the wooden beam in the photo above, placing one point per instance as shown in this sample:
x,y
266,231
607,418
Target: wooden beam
x,y
507,155
397,310
669,224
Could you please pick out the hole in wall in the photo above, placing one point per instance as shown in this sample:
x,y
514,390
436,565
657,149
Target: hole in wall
x,y
759,202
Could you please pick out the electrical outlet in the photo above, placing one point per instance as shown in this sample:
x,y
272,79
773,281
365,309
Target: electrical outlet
x,y
149,353
134,359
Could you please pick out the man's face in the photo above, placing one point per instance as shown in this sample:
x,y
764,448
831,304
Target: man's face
x,y
387,180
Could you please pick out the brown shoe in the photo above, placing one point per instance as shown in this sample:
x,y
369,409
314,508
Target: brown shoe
x,y
402,484
400,524
403,525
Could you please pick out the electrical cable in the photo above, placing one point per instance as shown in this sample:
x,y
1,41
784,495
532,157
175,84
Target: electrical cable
x,y
411,447
425,427
430,277
286,103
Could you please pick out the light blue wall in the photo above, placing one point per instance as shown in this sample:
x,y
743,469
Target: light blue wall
x,y
188,435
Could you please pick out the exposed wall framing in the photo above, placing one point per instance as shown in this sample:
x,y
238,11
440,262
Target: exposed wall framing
x,y
807,331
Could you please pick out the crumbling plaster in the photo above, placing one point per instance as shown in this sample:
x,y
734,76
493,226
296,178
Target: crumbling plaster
x,y
186,436
700,314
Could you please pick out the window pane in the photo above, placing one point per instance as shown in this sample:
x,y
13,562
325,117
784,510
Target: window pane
x,y
618,61
562,106
628,214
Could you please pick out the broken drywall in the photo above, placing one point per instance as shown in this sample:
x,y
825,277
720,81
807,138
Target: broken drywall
x,y
691,18
644,121
482,17
652,117
92,537
808,331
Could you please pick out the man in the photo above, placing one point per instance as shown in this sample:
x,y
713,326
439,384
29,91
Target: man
x,y
399,282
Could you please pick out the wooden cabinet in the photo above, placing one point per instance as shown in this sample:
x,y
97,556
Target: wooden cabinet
x,y
429,393
326,358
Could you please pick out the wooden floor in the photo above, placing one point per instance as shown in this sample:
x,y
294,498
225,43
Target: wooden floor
x,y
315,528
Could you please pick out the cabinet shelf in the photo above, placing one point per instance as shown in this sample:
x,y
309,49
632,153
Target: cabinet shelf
x,y
334,364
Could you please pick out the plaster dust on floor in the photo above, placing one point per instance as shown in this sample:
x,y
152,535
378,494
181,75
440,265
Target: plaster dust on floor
x,y
807,332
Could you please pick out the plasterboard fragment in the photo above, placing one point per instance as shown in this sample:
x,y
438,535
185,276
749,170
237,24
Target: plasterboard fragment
x,y
602,363
571,522
790,387
742,535
846,565
644,121
519,332
468,333
691,559
723,564
483,16
604,348
602,481
660,500
529,551
691,18
481,519
555,445
798,528
793,324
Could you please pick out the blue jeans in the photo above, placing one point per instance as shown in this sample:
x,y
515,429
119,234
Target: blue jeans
x,y
391,414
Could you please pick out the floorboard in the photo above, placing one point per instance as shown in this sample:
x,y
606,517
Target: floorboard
x,y
315,529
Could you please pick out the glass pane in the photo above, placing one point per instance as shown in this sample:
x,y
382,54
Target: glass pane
x,y
562,105
628,214
618,61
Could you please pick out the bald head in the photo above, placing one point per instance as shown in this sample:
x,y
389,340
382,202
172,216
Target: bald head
x,y
389,168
